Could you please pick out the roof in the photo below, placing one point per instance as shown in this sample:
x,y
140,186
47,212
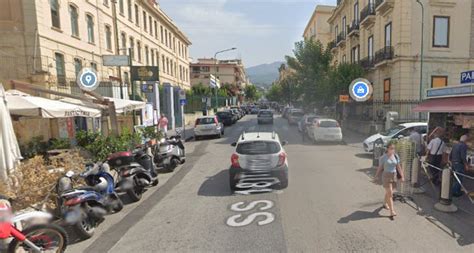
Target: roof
x,y
452,104
412,124
264,136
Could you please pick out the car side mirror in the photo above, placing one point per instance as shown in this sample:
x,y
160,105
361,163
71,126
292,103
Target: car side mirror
x,y
283,143
233,144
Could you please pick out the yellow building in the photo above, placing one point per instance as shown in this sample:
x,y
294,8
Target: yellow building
x,y
48,42
227,71
318,27
384,36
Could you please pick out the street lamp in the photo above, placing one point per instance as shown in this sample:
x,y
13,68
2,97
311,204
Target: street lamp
x,y
215,57
421,50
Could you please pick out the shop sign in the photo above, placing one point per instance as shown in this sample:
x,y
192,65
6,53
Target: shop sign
x,y
344,98
144,73
467,77
450,91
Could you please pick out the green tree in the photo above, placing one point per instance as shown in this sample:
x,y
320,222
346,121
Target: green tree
x,y
251,93
342,76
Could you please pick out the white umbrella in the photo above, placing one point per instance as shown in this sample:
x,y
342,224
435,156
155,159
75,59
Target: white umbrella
x,y
22,104
121,105
9,150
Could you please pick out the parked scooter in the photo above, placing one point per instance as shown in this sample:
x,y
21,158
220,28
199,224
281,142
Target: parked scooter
x,y
170,152
136,171
84,207
27,237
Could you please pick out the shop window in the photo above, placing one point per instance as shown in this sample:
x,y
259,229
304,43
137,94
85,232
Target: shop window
x,y
439,81
440,31
386,90
55,20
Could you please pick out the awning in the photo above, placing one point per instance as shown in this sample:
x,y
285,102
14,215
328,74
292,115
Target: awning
x,y
447,105
121,105
22,104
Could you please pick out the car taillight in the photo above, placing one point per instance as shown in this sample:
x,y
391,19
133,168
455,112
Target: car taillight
x,y
234,159
72,202
281,159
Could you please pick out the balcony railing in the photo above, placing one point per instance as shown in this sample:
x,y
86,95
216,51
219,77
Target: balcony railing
x,y
367,11
383,5
367,63
353,27
332,44
384,54
341,37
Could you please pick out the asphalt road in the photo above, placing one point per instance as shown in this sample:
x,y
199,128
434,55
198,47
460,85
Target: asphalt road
x,y
331,205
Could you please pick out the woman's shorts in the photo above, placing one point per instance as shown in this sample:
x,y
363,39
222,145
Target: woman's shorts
x,y
389,178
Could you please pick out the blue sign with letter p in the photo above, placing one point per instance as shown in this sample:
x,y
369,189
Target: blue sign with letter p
x,y
467,77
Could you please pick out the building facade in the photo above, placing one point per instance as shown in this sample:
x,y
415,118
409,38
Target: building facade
x,y
384,36
47,42
318,27
227,71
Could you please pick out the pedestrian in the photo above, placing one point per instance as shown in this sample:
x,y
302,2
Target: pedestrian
x,y
416,138
163,124
390,165
458,159
434,155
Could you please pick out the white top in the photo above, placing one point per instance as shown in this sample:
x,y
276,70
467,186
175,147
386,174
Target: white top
x,y
416,138
434,146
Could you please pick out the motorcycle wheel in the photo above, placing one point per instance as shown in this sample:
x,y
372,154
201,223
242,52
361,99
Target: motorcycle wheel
x,y
155,182
45,236
85,229
118,206
135,193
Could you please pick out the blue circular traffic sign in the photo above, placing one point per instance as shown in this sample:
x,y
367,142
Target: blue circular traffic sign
x,y
360,90
87,79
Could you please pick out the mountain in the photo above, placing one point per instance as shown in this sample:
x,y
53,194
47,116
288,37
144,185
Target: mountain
x,y
263,75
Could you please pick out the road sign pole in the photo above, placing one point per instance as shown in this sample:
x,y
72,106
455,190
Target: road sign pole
x,y
183,123
132,83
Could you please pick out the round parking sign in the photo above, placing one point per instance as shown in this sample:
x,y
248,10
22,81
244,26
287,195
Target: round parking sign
x,y
360,90
87,79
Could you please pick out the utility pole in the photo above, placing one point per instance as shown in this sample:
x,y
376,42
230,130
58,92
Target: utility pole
x,y
421,51
117,48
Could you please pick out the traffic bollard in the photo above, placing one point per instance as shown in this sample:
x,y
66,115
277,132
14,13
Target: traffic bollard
x,y
414,176
445,203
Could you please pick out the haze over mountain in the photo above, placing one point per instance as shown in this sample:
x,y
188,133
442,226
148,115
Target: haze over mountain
x,y
264,75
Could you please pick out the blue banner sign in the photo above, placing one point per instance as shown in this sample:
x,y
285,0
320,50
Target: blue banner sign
x,y
450,91
467,77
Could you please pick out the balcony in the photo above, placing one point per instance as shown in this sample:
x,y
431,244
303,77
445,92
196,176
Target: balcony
x,y
341,39
367,63
367,15
383,56
332,44
382,6
353,28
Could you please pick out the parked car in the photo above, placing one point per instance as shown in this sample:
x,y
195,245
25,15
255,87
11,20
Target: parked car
x,y
397,132
285,111
295,115
325,130
254,110
235,114
225,117
208,126
262,151
265,116
306,122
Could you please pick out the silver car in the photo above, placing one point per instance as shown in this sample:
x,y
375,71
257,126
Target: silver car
x,y
208,126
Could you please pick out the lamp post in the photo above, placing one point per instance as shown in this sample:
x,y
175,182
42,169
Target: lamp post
x,y
421,51
215,57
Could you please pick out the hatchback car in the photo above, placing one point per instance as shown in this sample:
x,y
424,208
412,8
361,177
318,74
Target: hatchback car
x,y
259,152
305,122
325,130
265,117
397,132
225,117
294,116
208,126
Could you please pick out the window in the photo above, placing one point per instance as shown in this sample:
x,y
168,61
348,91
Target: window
x,y
386,90
439,81
167,66
344,26
174,44
440,31
258,148
137,15
121,7
150,23
161,33
147,56
129,9
60,68
55,20
169,39
157,59
356,12
126,78
94,66
108,37
90,29
336,30
74,20
144,21
370,48
217,69
106,2
77,66
163,63
355,54
156,30
205,69
152,54
344,59
166,37
132,46
388,35
139,51
123,38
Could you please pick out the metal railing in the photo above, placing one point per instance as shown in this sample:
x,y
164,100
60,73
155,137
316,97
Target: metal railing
x,y
376,110
384,54
341,37
367,11
332,44
353,26
378,3
367,63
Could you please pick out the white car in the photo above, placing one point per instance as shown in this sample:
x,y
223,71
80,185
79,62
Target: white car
x,y
397,132
325,130
208,126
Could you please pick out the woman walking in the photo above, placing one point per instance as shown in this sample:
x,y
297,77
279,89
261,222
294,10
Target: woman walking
x,y
389,163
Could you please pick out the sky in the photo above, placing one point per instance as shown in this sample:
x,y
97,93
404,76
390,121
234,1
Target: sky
x,y
263,31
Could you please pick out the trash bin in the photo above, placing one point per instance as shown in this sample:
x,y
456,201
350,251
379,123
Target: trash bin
x,y
378,151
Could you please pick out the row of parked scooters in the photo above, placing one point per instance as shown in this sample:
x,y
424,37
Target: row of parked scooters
x,y
83,207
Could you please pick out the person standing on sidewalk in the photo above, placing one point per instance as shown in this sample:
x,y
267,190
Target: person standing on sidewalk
x,y
416,138
163,124
389,163
458,159
434,154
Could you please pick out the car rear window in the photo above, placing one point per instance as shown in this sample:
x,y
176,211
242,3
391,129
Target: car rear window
x,y
258,148
311,119
223,115
328,123
265,113
205,121
297,114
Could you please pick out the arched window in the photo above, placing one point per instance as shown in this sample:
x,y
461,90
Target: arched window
x,y
90,29
108,37
74,20
55,20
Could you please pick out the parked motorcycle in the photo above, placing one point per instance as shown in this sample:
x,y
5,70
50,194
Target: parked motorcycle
x,y
39,237
136,171
170,152
84,207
